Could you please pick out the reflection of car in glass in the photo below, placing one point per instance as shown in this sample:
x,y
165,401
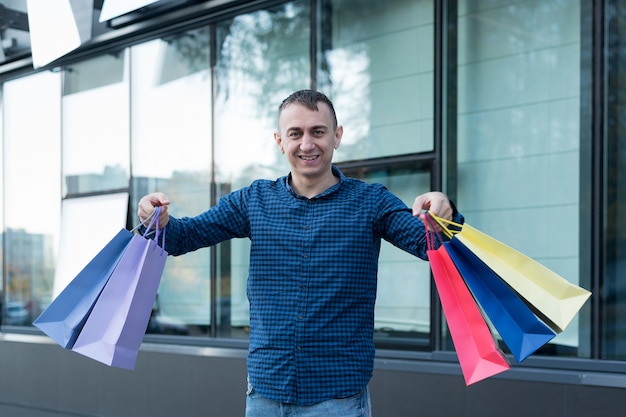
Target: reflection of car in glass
x,y
16,314
161,324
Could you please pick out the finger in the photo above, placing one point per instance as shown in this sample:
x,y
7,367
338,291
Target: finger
x,y
420,204
436,207
158,199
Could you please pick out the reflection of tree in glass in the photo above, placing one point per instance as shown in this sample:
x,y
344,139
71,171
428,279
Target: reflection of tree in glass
x,y
186,54
265,56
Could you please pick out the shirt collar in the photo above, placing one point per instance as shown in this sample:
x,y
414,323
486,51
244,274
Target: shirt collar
x,y
336,172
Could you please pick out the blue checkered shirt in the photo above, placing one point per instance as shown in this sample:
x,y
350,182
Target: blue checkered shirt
x,y
312,279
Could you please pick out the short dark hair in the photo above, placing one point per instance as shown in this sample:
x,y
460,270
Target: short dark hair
x,y
309,99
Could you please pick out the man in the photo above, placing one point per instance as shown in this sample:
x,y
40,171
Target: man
x,y
315,238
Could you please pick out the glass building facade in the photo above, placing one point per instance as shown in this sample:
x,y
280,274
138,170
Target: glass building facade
x,y
514,108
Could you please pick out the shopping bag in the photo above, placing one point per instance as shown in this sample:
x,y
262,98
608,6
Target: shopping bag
x,y
521,330
552,297
117,324
64,318
476,349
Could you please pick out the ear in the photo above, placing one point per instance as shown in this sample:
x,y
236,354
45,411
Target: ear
x,y
338,136
279,142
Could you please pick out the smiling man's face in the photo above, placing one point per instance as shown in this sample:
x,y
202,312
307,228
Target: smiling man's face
x,y
308,138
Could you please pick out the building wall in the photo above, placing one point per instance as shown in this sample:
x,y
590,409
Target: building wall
x,y
39,379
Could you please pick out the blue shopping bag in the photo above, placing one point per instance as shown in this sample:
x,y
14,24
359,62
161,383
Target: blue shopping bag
x,y
64,318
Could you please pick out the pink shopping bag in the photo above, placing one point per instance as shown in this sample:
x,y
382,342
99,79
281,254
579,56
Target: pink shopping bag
x,y
476,349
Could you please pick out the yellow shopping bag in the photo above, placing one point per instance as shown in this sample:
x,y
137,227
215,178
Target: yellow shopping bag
x,y
552,297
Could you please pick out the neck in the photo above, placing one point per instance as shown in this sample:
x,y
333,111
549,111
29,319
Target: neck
x,y
310,187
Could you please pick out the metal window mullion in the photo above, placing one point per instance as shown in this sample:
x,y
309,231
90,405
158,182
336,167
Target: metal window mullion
x,y
213,273
597,173
436,314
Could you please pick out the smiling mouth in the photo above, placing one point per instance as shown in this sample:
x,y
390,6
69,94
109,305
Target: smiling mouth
x,y
309,158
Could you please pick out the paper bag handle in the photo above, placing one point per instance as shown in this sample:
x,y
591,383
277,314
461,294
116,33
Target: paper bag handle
x,y
444,223
153,219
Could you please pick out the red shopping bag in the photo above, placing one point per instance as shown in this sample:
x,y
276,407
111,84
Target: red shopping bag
x,y
476,349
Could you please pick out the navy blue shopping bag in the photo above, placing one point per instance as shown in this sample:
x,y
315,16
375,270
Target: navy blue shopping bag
x,y
521,330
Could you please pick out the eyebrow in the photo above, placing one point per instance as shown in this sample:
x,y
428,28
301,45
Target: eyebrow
x,y
316,127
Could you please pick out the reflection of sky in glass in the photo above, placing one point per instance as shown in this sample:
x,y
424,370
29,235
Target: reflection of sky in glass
x,y
171,120
31,193
95,134
245,139
350,78
87,225
96,125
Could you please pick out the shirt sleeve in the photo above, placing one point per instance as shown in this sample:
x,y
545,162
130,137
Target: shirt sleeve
x,y
226,220
399,227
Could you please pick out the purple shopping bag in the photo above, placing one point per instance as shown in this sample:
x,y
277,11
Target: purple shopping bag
x,y
115,328
64,318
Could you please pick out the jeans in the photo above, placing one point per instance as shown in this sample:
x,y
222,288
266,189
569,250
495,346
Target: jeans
x,y
357,405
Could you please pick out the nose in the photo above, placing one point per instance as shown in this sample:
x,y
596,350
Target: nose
x,y
307,143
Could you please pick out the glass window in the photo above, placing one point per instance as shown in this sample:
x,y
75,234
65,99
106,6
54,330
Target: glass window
x,y
614,285
171,152
402,312
376,63
32,193
87,225
95,125
262,57
519,82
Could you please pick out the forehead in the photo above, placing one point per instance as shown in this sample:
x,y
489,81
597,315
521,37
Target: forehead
x,y
297,115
